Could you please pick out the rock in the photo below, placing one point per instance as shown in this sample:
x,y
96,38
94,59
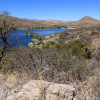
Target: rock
x,y
30,44
42,90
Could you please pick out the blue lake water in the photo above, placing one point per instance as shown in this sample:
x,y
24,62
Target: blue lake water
x,y
18,37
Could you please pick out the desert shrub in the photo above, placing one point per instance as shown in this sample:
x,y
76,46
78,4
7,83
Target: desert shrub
x,y
58,46
79,69
29,61
47,45
93,32
62,41
40,38
85,37
4,64
62,36
52,42
23,48
31,34
61,46
55,59
80,48
1,49
62,61
36,36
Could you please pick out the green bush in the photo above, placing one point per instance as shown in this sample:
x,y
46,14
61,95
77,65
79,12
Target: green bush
x,y
36,36
1,48
62,36
52,42
61,46
40,38
93,33
77,47
80,48
47,45
32,34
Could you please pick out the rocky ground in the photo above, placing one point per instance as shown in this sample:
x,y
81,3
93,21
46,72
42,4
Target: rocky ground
x,y
42,90
13,89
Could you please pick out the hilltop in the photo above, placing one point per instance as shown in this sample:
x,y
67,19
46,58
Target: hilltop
x,y
87,21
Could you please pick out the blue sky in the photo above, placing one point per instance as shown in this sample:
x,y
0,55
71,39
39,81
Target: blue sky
x,y
69,10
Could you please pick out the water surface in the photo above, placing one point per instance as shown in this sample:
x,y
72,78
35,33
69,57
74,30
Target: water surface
x,y
18,37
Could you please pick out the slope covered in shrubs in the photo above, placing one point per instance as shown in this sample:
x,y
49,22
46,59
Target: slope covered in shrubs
x,y
75,61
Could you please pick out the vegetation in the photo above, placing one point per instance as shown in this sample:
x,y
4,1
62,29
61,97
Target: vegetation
x,y
47,45
26,33
32,34
39,38
62,36
93,32
5,32
76,59
59,26
80,48
77,47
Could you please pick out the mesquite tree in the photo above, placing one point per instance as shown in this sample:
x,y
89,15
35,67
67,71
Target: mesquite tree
x,y
5,32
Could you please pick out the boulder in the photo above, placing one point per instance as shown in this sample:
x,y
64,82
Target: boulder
x,y
42,90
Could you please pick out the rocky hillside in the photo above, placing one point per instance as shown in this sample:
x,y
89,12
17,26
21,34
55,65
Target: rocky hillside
x,y
37,90
88,21
22,24
27,24
65,68
85,21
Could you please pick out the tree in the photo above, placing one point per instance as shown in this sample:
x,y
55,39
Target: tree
x,y
5,32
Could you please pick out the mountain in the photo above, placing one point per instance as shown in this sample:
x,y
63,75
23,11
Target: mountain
x,y
88,21
85,21
25,24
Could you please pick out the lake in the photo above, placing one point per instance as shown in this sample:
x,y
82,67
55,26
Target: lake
x,y
18,37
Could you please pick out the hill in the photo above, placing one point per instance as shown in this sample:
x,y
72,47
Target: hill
x,y
63,69
27,24
22,24
85,21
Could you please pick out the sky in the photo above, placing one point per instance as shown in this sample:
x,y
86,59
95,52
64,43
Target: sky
x,y
67,10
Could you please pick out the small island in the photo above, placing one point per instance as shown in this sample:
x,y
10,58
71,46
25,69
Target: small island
x,y
31,34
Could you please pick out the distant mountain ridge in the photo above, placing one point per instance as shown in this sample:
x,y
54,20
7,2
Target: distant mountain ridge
x,y
23,24
85,21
